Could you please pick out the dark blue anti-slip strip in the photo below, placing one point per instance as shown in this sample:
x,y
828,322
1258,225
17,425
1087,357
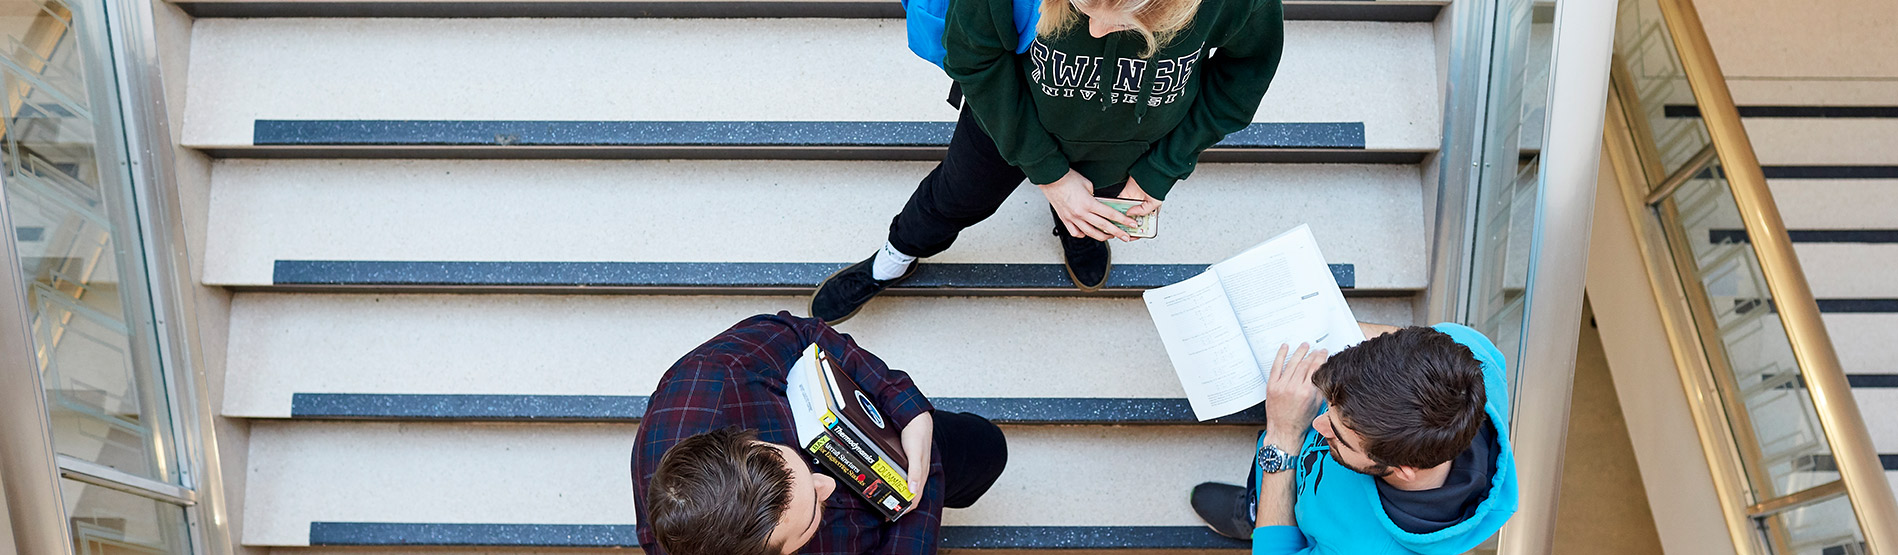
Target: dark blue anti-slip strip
x,y
1830,172
1813,235
1761,111
1828,306
631,408
523,133
369,534
1825,463
713,275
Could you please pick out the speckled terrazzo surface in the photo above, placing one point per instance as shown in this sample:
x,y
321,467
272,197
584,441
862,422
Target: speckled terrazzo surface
x,y
713,275
709,133
623,535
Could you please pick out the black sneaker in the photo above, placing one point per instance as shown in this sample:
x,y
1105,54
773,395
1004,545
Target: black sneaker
x,y
1224,508
842,294
1088,261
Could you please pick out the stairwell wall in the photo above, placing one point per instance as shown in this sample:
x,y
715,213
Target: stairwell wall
x,y
1674,469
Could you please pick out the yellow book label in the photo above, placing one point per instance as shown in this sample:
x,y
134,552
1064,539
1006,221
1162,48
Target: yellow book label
x,y
894,478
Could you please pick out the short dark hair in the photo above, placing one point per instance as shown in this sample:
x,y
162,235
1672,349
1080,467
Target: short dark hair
x,y
719,492
1415,395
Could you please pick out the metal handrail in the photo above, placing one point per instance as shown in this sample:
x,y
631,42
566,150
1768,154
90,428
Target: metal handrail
x,y
1860,471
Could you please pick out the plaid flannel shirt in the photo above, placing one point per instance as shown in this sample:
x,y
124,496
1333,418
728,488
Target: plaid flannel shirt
x,y
737,378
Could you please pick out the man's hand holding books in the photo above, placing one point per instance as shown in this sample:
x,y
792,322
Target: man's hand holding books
x,y
918,437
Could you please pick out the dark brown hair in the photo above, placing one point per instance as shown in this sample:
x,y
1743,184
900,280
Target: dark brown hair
x,y
718,493
1415,395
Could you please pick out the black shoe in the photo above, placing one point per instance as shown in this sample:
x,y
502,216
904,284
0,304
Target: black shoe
x,y
1088,261
1224,508
842,294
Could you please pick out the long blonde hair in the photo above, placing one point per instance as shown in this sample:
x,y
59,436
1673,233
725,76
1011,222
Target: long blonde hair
x,y
1157,21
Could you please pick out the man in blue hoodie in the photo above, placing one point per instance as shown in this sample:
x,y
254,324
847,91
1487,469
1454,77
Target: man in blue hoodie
x,y
1411,455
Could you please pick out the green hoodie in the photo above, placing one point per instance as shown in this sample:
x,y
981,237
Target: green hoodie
x,y
1094,105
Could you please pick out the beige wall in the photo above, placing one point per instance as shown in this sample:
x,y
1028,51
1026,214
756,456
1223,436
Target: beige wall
x,y
6,526
212,304
1667,449
1834,52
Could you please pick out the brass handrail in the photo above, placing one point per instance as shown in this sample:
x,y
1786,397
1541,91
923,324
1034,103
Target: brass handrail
x,y
1860,471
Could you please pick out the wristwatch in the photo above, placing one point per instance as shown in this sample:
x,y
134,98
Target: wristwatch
x,y
1273,459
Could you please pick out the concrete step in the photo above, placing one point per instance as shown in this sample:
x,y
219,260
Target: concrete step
x,y
1837,203
1814,134
1876,394
1335,10
1835,260
1864,341
265,211
1823,141
1378,74
305,476
282,345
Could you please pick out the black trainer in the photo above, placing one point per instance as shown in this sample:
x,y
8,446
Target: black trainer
x,y
1225,509
844,293
1088,261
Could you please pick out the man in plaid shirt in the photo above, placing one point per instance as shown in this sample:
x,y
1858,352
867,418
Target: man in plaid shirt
x,y
716,468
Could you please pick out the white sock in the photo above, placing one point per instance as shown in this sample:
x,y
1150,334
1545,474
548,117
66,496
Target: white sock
x,y
890,263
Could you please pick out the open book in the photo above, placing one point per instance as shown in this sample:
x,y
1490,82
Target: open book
x,y
1221,328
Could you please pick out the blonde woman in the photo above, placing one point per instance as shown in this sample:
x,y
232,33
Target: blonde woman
x,y
1115,98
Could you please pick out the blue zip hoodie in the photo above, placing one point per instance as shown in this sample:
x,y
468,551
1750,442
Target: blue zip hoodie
x,y
1338,510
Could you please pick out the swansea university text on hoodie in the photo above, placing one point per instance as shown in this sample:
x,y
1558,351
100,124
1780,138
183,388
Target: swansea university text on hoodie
x,y
1094,105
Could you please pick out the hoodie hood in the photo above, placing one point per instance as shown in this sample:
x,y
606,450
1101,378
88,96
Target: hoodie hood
x,y
1340,511
1495,510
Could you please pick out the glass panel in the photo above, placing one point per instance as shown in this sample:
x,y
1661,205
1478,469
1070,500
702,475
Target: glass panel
x,y
110,522
1826,528
1646,50
1792,447
70,199
1509,184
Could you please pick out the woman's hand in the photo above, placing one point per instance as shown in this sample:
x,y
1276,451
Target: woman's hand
x,y
1072,197
1148,204
918,438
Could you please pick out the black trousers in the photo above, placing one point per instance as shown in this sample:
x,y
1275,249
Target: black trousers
x,y
972,181
973,455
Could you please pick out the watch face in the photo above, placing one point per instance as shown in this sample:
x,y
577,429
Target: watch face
x,y
1272,459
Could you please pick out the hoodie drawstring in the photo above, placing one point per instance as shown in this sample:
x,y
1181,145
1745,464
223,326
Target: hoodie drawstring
x,y
1146,90
1105,84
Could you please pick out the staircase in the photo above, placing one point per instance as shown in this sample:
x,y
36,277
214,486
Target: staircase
x,y
1833,170
466,238
1823,121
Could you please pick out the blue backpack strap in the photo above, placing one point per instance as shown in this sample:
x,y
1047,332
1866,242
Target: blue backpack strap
x,y
923,20
1027,15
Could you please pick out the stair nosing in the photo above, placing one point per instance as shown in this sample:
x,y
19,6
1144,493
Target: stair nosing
x,y
632,408
717,277
1329,10
368,534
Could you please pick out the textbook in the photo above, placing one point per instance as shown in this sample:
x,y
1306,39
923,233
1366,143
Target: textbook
x,y
839,425
1149,225
1222,327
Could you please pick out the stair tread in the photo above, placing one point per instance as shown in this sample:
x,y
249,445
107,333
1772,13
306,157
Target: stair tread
x,y
283,344
1340,10
1378,74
